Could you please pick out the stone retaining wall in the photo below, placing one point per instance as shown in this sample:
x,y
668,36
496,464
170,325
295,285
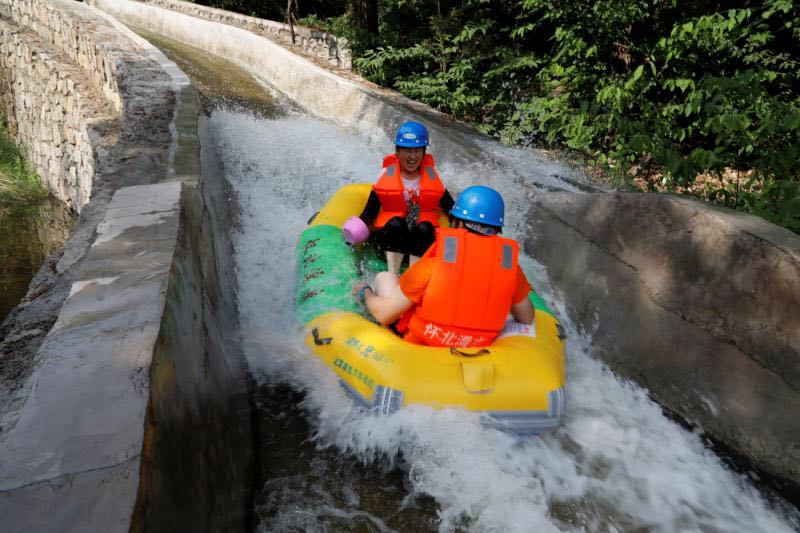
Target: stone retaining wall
x,y
320,44
93,46
64,71
53,113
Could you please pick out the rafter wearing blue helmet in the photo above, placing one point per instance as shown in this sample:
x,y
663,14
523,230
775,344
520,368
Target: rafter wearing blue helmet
x,y
406,203
462,290
481,209
411,135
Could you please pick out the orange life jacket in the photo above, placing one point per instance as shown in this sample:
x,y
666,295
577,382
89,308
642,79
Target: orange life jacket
x,y
469,295
389,189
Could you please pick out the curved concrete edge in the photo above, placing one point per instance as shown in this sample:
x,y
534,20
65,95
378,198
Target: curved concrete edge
x,y
185,146
699,305
179,79
347,102
323,45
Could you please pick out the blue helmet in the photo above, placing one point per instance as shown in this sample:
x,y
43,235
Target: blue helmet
x,y
480,204
411,135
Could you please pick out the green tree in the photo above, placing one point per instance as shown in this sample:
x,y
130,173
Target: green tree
x,y
644,87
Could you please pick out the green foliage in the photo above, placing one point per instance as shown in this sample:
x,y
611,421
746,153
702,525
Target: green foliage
x,y
644,87
18,183
458,58
269,9
276,9
336,25
777,200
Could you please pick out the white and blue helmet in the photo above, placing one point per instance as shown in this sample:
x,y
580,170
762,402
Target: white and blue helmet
x,y
411,135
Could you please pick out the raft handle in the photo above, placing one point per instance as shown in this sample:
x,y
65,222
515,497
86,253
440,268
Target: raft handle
x,y
317,340
456,351
561,333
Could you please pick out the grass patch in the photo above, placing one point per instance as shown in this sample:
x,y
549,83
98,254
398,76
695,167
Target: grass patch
x,y
18,182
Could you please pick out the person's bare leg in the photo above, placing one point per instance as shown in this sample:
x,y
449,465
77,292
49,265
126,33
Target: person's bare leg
x,y
386,283
393,261
412,259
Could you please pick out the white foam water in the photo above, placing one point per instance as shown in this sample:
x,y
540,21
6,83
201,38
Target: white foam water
x,y
616,464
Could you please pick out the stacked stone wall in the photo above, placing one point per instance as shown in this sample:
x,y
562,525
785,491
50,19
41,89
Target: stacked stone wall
x,y
69,79
74,30
53,112
322,45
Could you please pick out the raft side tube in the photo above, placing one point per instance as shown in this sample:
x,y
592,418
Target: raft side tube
x,y
366,356
347,201
521,423
530,422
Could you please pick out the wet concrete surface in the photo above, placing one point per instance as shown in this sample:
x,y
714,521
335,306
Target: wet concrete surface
x,y
140,156
80,417
219,83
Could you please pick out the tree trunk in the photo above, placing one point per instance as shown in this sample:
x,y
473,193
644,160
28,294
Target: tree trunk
x,y
291,17
366,15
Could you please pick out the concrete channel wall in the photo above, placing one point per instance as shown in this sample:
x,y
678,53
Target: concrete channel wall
x,y
700,305
132,413
197,462
731,373
344,99
329,48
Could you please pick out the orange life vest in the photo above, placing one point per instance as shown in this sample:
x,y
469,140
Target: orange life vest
x,y
469,295
389,189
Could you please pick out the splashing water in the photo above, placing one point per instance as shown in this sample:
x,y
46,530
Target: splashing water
x,y
617,463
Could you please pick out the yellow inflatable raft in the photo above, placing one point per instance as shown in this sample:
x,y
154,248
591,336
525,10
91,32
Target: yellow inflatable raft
x,y
517,383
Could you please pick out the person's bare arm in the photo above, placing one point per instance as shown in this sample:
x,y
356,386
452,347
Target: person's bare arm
x,y
523,311
385,309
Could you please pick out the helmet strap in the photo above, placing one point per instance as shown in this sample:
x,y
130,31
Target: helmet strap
x,y
481,229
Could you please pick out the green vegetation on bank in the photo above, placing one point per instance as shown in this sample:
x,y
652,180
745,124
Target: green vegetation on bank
x,y
18,183
699,97
276,9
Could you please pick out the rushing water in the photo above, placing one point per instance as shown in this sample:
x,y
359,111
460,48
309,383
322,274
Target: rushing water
x,y
616,464
28,234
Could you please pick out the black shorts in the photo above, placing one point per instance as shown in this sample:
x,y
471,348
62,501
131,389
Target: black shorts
x,y
396,236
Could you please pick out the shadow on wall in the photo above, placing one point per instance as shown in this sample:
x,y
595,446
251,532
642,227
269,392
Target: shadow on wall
x,y
198,472
698,304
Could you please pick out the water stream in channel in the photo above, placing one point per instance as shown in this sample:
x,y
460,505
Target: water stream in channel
x,y
617,463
